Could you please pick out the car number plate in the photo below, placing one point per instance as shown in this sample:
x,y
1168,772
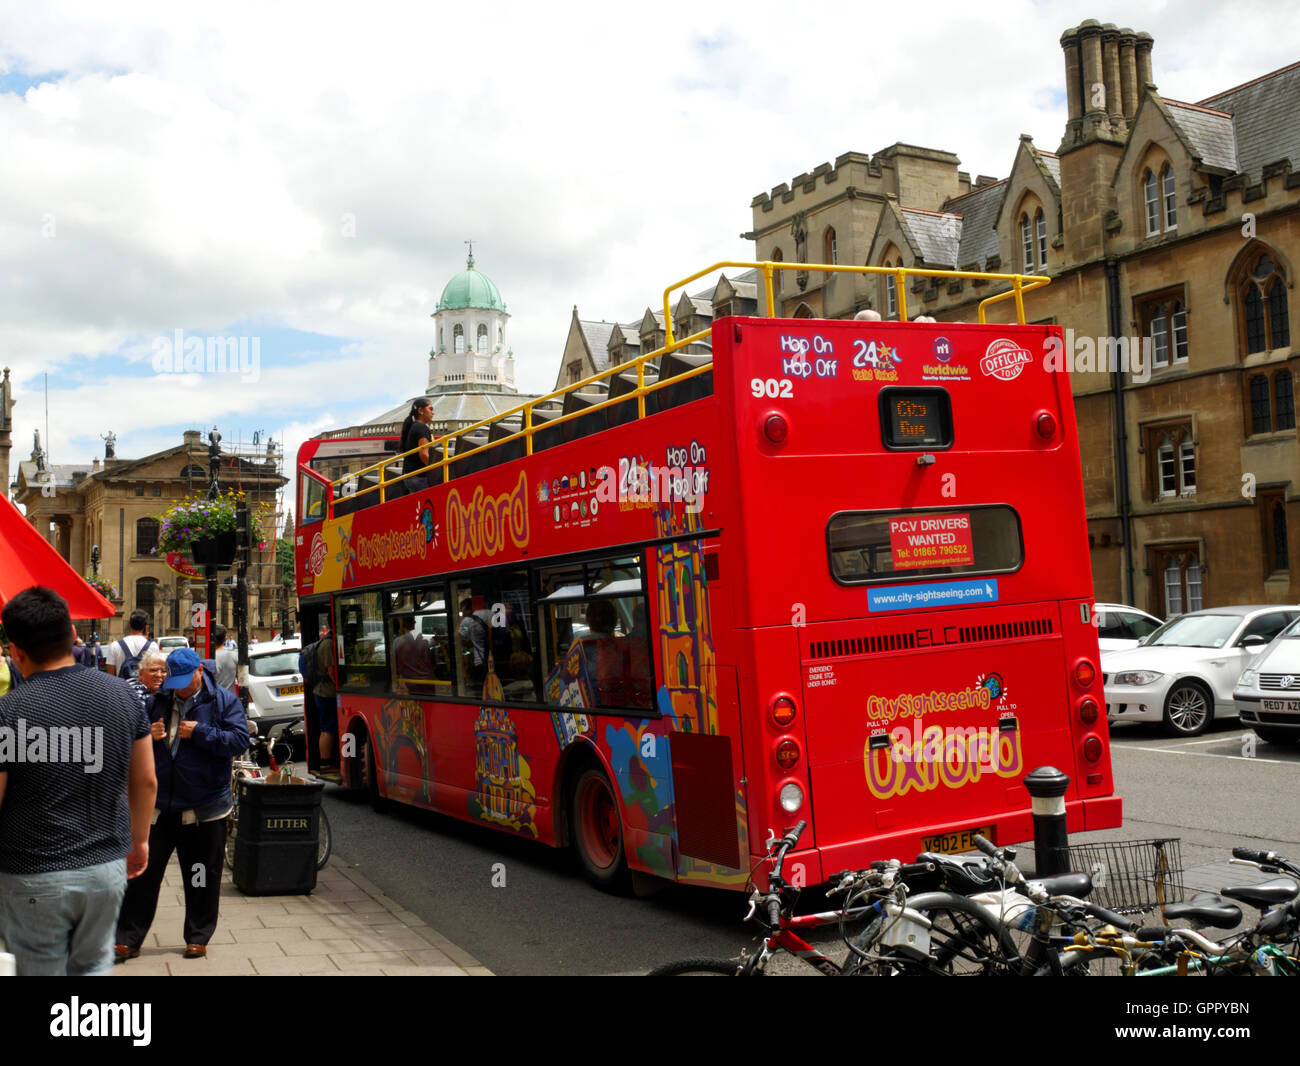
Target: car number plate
x,y
951,843
289,690
1284,706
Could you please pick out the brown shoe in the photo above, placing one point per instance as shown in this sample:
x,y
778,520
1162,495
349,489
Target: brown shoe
x,y
195,951
121,953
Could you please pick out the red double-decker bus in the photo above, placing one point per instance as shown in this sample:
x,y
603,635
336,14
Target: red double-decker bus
x,y
830,570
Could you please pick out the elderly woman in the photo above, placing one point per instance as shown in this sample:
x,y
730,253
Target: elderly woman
x,y
153,668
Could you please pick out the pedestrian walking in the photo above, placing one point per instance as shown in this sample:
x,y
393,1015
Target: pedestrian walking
x,y
197,728
77,787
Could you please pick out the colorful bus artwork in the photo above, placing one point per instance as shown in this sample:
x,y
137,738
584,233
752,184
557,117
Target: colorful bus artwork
x,y
830,570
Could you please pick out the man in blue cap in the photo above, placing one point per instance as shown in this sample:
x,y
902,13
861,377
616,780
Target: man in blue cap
x,y
197,727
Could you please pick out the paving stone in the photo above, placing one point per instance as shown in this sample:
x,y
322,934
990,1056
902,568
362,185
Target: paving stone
x,y
269,936
297,964
227,952
320,947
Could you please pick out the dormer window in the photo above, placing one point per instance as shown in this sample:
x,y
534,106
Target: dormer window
x,y
1170,200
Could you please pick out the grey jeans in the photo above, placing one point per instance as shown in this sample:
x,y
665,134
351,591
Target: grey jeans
x,y
63,922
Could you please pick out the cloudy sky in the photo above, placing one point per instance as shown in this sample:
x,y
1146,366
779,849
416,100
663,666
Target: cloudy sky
x,y
306,174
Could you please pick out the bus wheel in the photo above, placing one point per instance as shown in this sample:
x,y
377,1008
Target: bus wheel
x,y
377,802
1189,709
596,830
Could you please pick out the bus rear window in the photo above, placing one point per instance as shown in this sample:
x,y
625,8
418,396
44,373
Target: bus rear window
x,y
868,546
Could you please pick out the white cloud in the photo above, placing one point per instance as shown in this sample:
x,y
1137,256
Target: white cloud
x,y
191,169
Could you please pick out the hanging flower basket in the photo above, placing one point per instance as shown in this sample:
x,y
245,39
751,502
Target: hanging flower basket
x,y
218,550
104,587
195,519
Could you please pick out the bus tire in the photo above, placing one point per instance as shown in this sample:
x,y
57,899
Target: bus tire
x,y
596,831
377,802
705,966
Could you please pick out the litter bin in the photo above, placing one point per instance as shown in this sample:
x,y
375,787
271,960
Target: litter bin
x,y
277,837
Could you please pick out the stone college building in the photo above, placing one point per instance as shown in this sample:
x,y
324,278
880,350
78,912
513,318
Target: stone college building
x,y
1175,225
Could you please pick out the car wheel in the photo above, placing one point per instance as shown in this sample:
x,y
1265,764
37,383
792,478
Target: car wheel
x,y
1276,736
1189,709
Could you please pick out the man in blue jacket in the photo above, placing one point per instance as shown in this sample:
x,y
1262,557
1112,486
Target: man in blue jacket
x,y
198,727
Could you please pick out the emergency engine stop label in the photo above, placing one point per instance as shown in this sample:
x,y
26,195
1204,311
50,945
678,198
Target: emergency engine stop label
x,y
938,540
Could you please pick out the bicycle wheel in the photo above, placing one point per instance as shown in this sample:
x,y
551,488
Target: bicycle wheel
x,y
965,941
705,966
325,841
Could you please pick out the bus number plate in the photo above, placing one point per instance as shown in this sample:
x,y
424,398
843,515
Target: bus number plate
x,y
952,843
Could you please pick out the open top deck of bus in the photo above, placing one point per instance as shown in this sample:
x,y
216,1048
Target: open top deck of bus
x,y
652,382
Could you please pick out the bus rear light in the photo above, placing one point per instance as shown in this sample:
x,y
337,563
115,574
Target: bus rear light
x,y
1046,426
791,797
783,711
1088,710
776,428
1094,779
787,754
1084,673
1092,749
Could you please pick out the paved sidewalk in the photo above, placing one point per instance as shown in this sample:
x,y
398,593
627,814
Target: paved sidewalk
x,y
346,926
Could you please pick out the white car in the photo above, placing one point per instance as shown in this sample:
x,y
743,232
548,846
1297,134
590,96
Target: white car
x,y
275,686
1184,673
167,645
1268,693
1120,628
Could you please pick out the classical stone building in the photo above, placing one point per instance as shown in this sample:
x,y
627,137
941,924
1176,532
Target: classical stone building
x,y
1174,225
114,503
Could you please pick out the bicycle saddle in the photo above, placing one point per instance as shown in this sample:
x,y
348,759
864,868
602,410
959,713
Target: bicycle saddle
x,y
961,876
1205,908
1268,894
1076,885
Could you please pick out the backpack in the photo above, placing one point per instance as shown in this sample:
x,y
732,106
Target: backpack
x,y
131,663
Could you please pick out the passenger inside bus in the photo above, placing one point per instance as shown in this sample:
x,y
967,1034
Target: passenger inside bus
x,y
606,653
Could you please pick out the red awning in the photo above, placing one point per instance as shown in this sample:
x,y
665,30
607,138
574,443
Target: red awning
x,y
27,559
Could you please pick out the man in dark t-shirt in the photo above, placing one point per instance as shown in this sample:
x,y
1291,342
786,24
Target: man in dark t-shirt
x,y
77,788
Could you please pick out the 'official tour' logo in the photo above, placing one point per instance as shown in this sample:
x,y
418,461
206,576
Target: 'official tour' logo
x,y
1005,360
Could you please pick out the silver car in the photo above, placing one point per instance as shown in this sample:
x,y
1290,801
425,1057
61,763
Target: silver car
x,y
1268,694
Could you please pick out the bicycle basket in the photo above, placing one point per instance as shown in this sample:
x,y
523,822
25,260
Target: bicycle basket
x,y
1132,876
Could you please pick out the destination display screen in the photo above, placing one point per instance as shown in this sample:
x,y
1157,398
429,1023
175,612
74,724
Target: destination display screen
x,y
915,418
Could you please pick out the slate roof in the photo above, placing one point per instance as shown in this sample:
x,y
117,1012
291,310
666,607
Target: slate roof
x,y
1265,118
1053,165
938,237
62,472
1210,133
596,335
979,210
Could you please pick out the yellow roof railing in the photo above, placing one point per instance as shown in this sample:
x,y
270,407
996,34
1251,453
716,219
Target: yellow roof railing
x,y
348,485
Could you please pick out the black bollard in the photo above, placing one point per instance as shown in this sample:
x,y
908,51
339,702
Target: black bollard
x,y
1047,786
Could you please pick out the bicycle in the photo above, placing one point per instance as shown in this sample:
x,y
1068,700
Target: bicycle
x,y
266,752
932,933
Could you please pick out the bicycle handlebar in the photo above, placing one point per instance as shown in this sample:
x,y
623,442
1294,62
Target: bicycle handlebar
x,y
1109,917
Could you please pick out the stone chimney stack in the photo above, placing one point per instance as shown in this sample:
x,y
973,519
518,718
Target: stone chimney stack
x,y
1128,84
1142,47
1111,78
1106,69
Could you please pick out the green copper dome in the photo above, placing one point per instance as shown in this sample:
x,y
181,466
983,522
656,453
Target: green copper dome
x,y
470,288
